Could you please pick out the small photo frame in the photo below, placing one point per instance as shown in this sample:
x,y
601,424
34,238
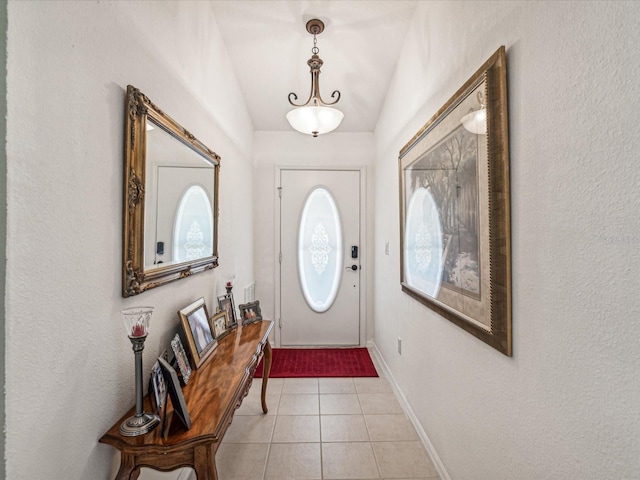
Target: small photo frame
x,y
250,312
226,303
175,392
181,358
159,387
219,324
197,331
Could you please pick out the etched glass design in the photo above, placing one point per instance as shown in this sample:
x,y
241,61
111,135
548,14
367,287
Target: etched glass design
x,y
320,250
194,248
193,227
423,243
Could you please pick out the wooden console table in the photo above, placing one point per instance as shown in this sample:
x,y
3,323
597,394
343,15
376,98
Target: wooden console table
x,y
212,395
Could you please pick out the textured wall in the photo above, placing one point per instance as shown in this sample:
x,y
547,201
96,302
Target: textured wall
x,y
69,364
3,219
567,405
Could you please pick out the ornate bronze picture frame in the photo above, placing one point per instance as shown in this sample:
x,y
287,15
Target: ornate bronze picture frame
x,y
181,358
250,312
455,209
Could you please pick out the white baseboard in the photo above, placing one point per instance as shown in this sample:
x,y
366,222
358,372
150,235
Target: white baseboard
x,y
431,451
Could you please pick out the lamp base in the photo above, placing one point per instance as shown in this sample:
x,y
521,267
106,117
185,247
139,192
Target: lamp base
x,y
139,424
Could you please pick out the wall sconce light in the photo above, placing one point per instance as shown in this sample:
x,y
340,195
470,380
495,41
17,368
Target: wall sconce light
x,y
315,117
476,120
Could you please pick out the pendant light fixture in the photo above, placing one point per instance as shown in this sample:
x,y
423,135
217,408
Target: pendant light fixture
x,y
315,117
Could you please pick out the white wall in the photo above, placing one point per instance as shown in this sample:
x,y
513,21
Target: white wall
x,y
287,149
567,404
3,219
69,363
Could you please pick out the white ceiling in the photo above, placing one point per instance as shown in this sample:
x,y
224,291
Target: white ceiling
x,y
269,48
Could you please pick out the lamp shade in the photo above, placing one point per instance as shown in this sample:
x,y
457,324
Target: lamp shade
x,y
136,321
476,122
315,120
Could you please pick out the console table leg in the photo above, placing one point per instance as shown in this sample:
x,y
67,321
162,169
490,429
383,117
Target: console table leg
x,y
265,374
127,467
205,463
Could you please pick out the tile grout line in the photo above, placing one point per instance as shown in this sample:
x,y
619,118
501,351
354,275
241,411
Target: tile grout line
x,y
366,425
275,421
322,441
266,461
320,432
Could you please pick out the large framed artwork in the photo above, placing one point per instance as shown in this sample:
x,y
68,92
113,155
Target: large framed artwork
x,y
454,209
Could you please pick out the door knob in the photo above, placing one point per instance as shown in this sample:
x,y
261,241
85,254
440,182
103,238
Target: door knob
x,y
352,267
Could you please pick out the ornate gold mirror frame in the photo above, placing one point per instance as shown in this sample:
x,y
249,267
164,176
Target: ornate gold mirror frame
x,y
142,249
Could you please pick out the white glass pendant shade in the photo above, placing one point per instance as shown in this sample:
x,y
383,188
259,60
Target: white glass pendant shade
x,y
315,120
476,122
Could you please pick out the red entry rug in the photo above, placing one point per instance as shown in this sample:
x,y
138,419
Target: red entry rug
x,y
320,362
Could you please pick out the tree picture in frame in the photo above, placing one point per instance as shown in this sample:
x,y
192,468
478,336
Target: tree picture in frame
x,y
455,210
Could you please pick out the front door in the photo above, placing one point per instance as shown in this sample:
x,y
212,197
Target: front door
x,y
320,257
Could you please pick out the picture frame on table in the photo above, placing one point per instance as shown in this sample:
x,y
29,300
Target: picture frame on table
x,y
181,358
159,388
219,324
194,319
455,233
175,392
250,312
226,303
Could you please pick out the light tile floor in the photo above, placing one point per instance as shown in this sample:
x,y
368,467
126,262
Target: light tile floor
x,y
326,428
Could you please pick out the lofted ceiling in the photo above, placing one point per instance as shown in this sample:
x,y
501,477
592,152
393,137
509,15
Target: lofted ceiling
x,y
269,47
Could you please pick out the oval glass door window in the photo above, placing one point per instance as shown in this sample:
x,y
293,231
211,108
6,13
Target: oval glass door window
x,y
193,228
320,250
423,243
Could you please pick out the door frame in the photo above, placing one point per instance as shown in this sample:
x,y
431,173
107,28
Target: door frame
x,y
362,245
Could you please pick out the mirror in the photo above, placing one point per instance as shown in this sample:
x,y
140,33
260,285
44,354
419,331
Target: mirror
x,y
171,199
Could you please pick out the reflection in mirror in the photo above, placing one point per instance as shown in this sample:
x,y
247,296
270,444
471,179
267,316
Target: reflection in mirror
x,y
171,195
193,226
181,187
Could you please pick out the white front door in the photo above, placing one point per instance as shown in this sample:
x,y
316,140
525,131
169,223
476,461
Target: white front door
x,y
320,257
